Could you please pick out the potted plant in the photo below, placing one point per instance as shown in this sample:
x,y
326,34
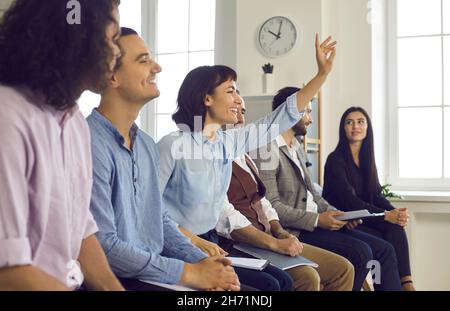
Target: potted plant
x,y
268,79
388,194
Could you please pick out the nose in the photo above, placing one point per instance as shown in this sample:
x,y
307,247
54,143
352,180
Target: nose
x,y
156,68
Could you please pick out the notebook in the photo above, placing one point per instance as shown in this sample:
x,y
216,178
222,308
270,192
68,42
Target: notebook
x,y
174,287
357,215
249,263
283,262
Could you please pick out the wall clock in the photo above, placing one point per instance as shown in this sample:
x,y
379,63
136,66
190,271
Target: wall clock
x,y
277,36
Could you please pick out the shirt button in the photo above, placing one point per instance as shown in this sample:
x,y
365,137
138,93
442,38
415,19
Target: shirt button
x,y
304,200
135,180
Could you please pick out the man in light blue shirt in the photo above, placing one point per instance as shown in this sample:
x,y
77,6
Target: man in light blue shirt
x,y
140,240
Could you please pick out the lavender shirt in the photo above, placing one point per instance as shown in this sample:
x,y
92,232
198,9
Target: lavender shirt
x,y
45,187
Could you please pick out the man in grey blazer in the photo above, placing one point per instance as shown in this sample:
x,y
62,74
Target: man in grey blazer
x,y
302,210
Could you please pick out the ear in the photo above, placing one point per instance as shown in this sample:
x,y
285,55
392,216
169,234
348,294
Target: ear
x,y
113,81
208,100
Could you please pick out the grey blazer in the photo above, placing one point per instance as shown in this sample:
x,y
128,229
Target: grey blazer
x,y
286,188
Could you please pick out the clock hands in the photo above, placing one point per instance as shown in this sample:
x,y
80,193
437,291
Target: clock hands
x,y
278,36
279,29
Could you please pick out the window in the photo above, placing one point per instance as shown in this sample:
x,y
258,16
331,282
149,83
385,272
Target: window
x,y
184,41
420,93
130,16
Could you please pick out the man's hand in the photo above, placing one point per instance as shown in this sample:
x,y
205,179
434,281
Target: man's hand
x,y
352,224
290,246
211,273
328,221
325,54
282,234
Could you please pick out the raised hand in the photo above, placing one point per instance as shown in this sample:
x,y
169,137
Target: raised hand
x,y
325,54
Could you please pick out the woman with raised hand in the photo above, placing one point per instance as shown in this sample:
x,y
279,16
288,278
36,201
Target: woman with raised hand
x,y
196,162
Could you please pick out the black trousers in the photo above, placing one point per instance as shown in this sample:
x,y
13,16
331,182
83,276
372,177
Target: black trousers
x,y
395,235
360,249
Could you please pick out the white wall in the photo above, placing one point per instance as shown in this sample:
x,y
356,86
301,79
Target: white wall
x,y
238,47
428,231
350,82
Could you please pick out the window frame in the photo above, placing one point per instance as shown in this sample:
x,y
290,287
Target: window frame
x,y
428,184
149,32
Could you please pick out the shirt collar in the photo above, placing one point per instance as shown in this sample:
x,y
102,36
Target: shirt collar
x,y
200,139
112,129
281,142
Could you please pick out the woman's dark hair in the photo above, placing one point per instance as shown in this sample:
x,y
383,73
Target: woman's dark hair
x,y
366,156
282,95
198,83
41,50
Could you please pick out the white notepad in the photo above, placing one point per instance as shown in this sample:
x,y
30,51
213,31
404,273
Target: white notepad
x,y
357,215
174,287
248,263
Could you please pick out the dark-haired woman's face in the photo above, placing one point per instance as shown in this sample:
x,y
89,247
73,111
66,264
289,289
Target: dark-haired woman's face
x,y
355,127
222,106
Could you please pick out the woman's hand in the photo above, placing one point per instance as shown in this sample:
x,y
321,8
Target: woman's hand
x,y
211,249
398,216
325,54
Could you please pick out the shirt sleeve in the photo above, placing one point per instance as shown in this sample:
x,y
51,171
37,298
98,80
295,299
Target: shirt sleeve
x,y
230,219
91,226
177,245
265,130
16,158
126,259
270,212
166,159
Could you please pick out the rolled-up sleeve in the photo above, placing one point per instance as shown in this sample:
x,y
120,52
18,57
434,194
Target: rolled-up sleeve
x,y
14,206
177,245
230,219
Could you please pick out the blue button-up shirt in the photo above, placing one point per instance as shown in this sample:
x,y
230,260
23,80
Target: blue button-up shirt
x,y
139,238
196,172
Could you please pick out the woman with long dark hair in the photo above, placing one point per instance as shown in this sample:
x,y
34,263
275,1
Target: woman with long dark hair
x,y
351,183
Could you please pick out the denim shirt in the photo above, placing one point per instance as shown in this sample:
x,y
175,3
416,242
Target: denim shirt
x,y
195,172
135,231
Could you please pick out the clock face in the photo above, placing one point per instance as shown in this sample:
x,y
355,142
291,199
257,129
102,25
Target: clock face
x,y
277,36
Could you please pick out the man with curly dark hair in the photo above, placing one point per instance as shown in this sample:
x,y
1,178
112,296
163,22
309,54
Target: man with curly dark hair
x,y
47,233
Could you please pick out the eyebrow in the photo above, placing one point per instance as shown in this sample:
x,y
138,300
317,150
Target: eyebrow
x,y
232,87
360,119
142,55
